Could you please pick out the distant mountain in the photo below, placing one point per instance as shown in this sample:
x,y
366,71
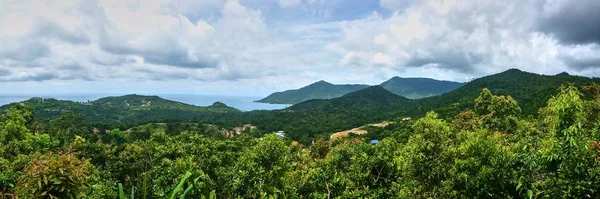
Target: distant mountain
x,y
374,104
317,90
415,88
125,109
531,90
412,88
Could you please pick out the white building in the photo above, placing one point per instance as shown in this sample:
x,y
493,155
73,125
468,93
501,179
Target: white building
x,y
281,134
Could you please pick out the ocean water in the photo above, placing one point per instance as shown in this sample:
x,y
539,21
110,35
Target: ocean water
x,y
244,103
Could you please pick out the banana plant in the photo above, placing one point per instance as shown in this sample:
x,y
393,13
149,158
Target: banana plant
x,y
179,188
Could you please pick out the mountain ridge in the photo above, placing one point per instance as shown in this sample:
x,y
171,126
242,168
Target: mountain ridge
x,y
411,87
318,90
131,108
319,117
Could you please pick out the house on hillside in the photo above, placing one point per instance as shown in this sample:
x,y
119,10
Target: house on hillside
x,y
281,134
406,119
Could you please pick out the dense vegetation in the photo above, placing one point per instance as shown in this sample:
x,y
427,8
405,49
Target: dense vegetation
x,y
317,90
412,88
305,121
488,150
128,109
308,120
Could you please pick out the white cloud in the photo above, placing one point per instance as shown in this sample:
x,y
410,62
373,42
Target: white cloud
x,y
249,41
133,39
469,37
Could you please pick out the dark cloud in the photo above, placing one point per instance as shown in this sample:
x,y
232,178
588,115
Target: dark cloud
x,y
576,22
71,67
451,59
26,50
167,51
162,76
77,76
168,76
581,63
38,77
4,72
36,44
111,61
46,76
178,57
52,31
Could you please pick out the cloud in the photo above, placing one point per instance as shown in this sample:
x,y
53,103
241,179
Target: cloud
x,y
572,22
169,40
289,3
4,72
581,57
286,43
37,42
23,50
114,39
49,30
469,37
38,77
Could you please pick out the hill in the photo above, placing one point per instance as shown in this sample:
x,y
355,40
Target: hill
x,y
412,88
415,88
531,91
321,117
125,109
317,90
318,117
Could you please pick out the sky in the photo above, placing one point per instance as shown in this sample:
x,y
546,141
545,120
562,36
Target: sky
x,y
255,47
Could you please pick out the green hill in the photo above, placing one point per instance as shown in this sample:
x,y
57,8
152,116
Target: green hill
x,y
311,118
374,104
415,88
317,90
125,109
531,91
412,88
316,117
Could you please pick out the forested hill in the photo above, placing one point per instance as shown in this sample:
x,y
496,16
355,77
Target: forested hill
x,y
319,117
125,109
415,88
317,90
530,90
374,104
412,88
308,119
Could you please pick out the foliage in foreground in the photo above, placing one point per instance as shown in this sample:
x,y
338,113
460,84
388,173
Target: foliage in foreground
x,y
489,151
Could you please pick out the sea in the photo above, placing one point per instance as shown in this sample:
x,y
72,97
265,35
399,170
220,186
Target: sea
x,y
244,103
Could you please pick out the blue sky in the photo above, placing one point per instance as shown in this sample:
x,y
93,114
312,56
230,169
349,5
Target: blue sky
x,y
255,47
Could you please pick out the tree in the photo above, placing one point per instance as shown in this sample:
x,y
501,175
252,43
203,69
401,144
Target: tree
x,y
261,169
570,166
69,125
498,113
319,148
483,166
54,176
424,159
13,125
